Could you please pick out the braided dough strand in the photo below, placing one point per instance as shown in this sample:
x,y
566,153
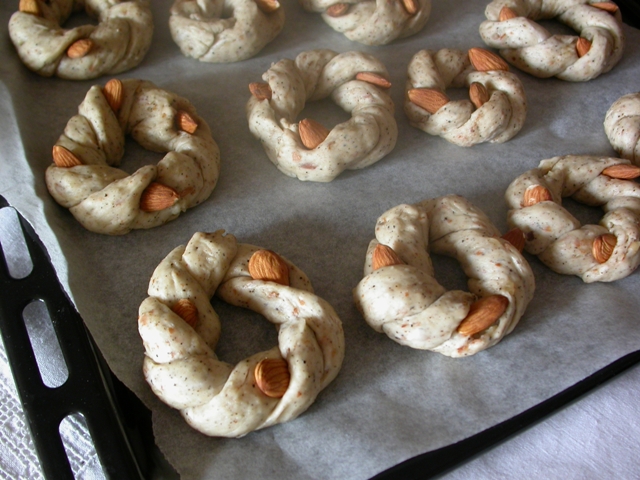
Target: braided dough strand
x,y
622,126
406,302
221,31
497,120
367,137
530,47
557,237
373,22
180,365
105,199
118,43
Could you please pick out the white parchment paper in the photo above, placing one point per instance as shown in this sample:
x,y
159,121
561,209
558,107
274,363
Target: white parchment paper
x,y
389,403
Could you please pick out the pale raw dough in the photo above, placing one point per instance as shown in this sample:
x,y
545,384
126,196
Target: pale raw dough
x,y
622,126
120,40
406,301
373,22
105,199
459,122
530,47
557,237
222,31
214,397
367,137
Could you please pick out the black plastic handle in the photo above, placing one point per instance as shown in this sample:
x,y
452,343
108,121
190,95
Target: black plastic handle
x,y
89,388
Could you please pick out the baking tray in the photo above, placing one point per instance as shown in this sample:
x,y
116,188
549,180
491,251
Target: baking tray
x,y
120,425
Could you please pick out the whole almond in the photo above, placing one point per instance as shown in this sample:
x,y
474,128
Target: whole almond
x,y
515,237
157,197
79,48
482,314
606,6
603,246
272,376
535,194
622,171
374,79
478,94
411,6
186,310
506,14
337,10
312,133
486,61
268,6
428,98
260,90
269,266
30,6
384,256
582,46
112,92
64,158
185,122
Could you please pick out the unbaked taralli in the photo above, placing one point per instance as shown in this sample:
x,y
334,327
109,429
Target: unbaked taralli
x,y
372,22
180,330
400,296
512,28
596,253
497,104
356,82
106,199
622,126
222,31
117,43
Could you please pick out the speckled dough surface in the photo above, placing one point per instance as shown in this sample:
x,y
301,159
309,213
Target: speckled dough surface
x,y
118,43
459,122
406,302
557,237
367,137
180,365
106,199
530,47
372,22
622,126
221,31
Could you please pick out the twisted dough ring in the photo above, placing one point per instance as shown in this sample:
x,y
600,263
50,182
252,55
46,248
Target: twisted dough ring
x,y
372,22
306,150
118,43
622,126
511,27
180,329
498,105
400,296
605,252
108,200
220,31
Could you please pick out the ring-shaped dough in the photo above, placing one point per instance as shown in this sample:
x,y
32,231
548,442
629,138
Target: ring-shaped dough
x,y
221,31
118,43
364,139
557,237
373,22
622,126
108,200
499,119
406,302
180,365
530,47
